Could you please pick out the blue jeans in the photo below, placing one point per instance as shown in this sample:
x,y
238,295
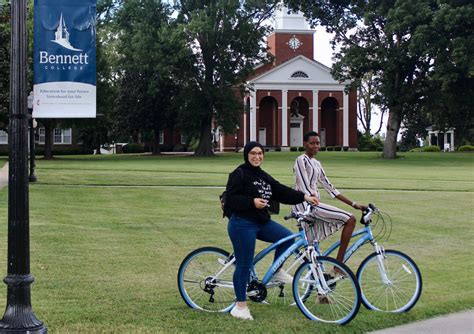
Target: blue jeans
x,y
243,233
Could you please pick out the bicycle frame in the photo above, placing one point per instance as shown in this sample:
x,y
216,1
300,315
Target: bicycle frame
x,y
366,235
300,242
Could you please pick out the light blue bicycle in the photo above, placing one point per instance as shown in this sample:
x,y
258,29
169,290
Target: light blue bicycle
x,y
390,280
324,289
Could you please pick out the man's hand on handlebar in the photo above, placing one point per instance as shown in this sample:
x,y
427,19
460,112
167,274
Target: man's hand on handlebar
x,y
311,199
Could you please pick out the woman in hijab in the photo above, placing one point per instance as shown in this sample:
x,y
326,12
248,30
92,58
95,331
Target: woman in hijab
x,y
248,192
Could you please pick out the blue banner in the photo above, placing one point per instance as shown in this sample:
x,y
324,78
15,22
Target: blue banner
x,y
64,59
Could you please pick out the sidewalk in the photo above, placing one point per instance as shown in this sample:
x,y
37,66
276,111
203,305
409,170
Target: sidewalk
x,y
456,323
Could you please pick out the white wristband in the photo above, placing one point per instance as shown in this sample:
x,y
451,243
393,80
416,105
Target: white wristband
x,y
353,204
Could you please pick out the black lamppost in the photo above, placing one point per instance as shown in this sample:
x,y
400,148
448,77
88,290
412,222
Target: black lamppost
x,y
237,138
19,316
32,177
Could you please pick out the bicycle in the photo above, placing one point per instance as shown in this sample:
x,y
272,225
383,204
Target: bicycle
x,y
390,280
324,288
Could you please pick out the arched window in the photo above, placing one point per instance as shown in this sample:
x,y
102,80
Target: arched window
x,y
299,74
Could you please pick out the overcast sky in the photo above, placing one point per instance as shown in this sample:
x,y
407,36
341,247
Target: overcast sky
x,y
323,54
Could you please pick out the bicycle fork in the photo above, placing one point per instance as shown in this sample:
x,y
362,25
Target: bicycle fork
x,y
317,272
380,251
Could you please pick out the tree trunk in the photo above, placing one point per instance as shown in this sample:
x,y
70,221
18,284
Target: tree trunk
x,y
204,148
393,126
156,142
48,139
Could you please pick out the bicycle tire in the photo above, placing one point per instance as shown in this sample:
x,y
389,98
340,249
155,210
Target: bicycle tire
x,y
342,301
390,296
195,280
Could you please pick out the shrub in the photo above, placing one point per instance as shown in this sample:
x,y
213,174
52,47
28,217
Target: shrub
x,y
323,149
345,148
370,143
293,149
193,144
166,148
133,148
277,149
466,148
179,148
338,148
329,148
73,150
301,148
417,149
431,149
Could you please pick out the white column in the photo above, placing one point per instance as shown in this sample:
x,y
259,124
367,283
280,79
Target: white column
x,y
345,120
284,118
445,139
315,110
221,141
253,116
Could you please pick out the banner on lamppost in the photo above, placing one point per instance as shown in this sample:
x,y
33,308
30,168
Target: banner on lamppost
x,y
64,59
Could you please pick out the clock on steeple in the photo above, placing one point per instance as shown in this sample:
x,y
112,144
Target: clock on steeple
x,y
294,43
291,37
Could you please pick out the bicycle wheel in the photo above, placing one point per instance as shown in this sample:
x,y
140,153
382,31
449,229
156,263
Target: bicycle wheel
x,y
198,285
338,302
398,291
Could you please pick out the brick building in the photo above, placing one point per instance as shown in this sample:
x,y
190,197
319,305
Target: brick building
x,y
294,94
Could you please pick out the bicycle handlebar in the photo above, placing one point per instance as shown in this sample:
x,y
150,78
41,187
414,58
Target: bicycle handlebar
x,y
365,219
299,215
367,214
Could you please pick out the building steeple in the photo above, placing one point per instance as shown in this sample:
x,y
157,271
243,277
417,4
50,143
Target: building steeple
x,y
286,21
292,36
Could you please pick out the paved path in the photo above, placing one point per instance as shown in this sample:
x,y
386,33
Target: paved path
x,y
456,323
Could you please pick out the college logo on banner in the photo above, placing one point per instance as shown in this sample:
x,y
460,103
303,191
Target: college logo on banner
x,y
64,59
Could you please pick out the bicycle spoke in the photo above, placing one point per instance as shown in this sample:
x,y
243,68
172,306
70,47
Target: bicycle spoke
x,y
338,305
199,286
401,290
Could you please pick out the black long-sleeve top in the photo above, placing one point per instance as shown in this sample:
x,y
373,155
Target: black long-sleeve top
x,y
246,183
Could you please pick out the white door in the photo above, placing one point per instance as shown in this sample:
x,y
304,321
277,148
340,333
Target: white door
x,y
262,136
296,134
322,137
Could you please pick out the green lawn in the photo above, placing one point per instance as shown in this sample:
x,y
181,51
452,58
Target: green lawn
x,y
108,234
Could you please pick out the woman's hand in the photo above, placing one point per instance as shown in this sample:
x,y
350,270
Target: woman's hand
x,y
361,207
358,206
260,203
311,199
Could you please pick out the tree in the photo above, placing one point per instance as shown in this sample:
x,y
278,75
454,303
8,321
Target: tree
x,y
390,38
367,98
150,52
450,86
225,37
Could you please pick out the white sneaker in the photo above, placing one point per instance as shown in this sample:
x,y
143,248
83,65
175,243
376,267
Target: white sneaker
x,y
283,277
241,313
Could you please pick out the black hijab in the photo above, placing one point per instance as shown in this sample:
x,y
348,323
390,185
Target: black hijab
x,y
248,166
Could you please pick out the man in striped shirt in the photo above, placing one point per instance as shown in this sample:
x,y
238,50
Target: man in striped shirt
x,y
328,219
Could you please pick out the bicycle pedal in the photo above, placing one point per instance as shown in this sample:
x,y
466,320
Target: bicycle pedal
x,y
252,293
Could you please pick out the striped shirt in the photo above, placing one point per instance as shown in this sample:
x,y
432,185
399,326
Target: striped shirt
x,y
327,219
308,172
